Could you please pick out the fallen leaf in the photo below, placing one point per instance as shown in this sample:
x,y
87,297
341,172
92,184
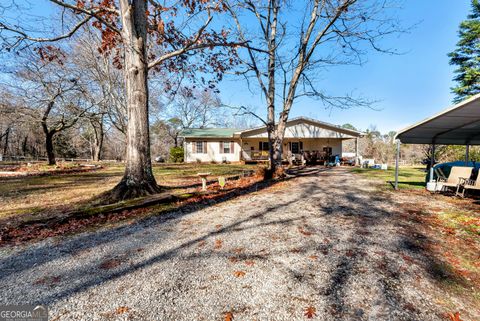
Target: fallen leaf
x,y
218,226
350,253
218,244
122,310
313,257
48,280
239,274
202,243
110,264
233,259
306,233
228,316
454,316
250,262
310,312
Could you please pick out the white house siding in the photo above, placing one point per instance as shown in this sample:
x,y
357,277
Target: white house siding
x,y
213,151
303,130
309,144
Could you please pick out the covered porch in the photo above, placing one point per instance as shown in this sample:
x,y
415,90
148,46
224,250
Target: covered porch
x,y
306,141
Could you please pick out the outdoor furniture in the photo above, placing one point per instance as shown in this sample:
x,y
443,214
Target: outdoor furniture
x,y
457,173
203,176
468,184
439,173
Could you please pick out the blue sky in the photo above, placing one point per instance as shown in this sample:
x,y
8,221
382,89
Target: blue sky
x,y
409,87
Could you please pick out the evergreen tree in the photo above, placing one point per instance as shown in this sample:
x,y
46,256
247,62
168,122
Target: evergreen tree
x,y
467,56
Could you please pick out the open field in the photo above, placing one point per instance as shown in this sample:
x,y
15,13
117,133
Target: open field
x,y
33,195
408,177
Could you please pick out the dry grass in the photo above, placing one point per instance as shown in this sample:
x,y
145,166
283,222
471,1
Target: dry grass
x,y
47,195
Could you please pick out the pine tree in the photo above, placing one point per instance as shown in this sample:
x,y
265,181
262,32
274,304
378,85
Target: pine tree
x,y
467,56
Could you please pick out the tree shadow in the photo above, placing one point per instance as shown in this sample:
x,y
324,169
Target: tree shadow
x,y
352,235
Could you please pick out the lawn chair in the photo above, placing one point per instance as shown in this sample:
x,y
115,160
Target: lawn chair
x,y
457,175
440,174
468,184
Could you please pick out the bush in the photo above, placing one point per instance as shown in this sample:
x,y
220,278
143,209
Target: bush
x,y
176,154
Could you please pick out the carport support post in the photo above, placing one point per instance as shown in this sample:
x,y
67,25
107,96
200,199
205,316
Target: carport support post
x,y
432,163
356,152
397,160
467,152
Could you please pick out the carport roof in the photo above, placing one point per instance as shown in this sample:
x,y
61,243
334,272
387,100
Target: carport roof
x,y
458,125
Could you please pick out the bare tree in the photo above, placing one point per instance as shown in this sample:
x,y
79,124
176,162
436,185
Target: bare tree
x,y
51,96
296,41
150,36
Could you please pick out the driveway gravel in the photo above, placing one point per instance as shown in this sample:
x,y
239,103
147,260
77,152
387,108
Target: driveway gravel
x,y
324,245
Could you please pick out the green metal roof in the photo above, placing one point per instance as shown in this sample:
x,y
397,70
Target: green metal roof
x,y
208,132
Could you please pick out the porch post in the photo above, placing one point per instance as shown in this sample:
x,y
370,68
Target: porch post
x,y
432,162
397,160
241,149
467,156
356,151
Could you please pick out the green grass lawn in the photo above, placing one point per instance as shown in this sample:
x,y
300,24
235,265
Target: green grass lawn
x,y
408,177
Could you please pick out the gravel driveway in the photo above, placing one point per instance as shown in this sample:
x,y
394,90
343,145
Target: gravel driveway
x,y
326,242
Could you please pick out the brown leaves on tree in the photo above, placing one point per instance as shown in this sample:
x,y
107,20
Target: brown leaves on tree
x,y
50,54
310,312
161,27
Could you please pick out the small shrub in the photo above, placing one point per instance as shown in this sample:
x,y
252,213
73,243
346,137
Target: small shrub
x,y
176,154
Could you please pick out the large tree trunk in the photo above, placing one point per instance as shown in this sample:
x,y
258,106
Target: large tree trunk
x,y
272,47
138,179
24,146
49,148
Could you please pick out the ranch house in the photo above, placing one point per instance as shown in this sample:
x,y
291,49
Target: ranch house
x,y
303,137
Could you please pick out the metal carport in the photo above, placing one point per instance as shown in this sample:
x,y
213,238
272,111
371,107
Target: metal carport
x,y
457,125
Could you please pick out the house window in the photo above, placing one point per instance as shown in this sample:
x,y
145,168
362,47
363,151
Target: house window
x,y
263,146
199,147
295,148
226,147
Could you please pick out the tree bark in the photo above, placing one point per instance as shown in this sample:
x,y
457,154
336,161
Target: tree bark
x,y
49,148
5,147
24,146
99,134
271,132
138,179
